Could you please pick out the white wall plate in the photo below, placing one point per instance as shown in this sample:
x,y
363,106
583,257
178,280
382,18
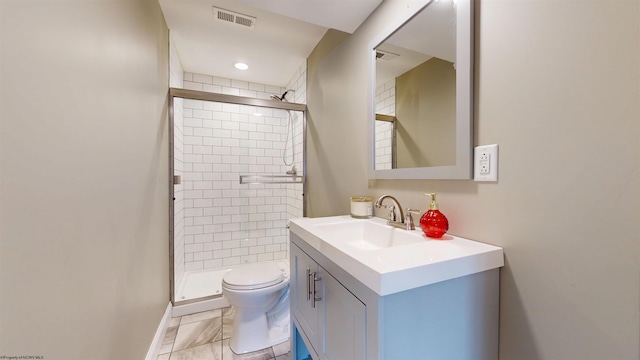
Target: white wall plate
x,y
485,163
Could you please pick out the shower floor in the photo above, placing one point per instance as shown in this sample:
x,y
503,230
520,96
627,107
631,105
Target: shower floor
x,y
200,283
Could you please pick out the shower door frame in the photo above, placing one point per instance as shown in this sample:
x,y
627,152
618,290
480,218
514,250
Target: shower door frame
x,y
228,99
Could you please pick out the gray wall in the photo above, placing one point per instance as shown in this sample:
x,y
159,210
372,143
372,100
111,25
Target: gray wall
x,y
557,87
84,263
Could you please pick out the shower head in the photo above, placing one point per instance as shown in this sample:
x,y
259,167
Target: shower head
x,y
282,97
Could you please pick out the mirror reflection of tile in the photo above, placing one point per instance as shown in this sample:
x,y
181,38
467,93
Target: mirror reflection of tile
x,y
205,336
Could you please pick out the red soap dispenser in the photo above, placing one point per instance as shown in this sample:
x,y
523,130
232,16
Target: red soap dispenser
x,y
433,222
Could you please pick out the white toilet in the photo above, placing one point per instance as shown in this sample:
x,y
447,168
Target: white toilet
x,y
260,294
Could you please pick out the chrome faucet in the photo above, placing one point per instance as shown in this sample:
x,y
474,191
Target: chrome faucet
x,y
392,208
403,222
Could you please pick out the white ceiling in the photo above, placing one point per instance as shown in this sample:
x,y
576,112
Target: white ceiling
x,y
437,25
285,33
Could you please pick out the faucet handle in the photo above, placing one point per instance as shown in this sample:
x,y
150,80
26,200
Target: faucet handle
x,y
408,219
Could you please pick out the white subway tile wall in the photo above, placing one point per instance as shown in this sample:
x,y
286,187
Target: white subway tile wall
x,y
385,105
227,223
175,80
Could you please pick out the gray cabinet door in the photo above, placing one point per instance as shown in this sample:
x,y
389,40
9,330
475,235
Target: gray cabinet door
x,y
307,316
343,325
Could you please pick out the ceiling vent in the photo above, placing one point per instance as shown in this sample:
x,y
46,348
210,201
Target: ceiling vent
x,y
384,55
234,18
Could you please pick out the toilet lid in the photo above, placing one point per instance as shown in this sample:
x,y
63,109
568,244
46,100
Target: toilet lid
x,y
253,276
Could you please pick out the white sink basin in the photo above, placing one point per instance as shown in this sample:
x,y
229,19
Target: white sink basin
x,y
369,235
388,259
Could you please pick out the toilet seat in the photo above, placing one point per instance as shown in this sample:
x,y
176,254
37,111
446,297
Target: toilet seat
x,y
253,276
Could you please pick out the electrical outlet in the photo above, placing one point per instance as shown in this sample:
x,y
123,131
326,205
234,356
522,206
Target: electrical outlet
x,y
485,163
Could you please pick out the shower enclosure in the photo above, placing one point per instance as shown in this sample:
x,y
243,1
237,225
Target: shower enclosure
x,y
237,176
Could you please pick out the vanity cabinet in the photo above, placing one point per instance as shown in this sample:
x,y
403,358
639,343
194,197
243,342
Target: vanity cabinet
x,y
452,319
331,319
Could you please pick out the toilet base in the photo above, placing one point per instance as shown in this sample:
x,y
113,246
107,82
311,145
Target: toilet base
x,y
252,333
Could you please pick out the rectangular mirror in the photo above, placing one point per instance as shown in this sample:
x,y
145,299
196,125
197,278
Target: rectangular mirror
x,y
421,127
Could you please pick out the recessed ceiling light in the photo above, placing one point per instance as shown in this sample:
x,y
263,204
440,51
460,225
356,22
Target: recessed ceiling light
x,y
241,66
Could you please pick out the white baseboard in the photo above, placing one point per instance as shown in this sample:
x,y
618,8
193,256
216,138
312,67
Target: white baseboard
x,y
156,344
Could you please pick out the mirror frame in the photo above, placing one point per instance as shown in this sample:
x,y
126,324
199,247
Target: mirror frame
x,y
463,169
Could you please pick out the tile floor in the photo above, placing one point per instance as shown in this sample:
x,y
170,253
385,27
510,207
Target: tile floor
x,y
205,336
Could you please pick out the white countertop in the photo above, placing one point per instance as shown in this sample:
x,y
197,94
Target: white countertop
x,y
394,269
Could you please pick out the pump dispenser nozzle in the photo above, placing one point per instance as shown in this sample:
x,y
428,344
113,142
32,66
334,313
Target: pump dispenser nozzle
x,y
433,205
